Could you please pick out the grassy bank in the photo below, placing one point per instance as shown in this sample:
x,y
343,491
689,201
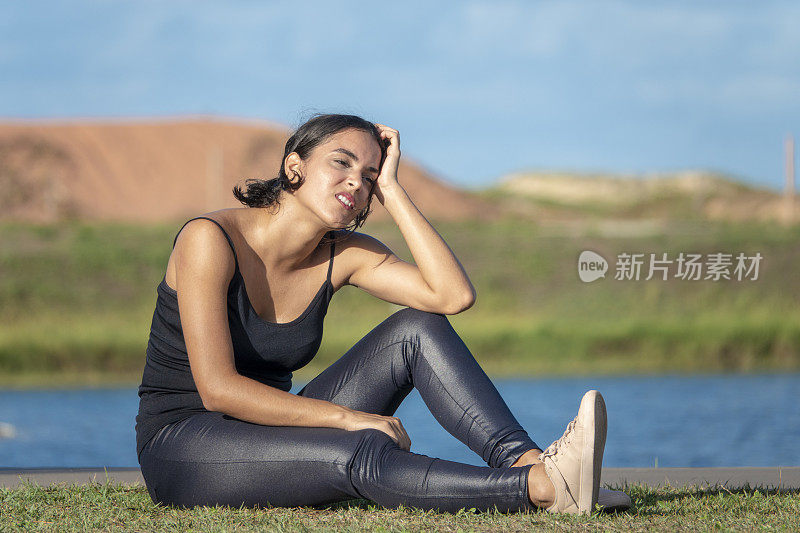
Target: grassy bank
x,y
76,301
118,507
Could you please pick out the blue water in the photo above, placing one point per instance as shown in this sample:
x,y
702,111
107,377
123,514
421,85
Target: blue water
x,y
675,420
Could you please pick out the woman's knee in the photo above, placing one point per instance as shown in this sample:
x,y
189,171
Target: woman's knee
x,y
370,454
413,320
373,440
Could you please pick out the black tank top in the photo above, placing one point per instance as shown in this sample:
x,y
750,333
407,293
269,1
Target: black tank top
x,y
265,351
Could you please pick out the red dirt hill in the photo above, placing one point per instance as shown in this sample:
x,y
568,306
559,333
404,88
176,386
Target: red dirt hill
x,y
164,170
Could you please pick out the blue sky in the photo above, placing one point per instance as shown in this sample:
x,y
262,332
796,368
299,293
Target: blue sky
x,y
476,89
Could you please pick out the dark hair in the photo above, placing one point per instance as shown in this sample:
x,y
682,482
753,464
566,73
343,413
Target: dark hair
x,y
315,131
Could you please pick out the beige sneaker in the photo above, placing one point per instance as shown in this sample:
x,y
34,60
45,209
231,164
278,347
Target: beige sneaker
x,y
573,462
613,500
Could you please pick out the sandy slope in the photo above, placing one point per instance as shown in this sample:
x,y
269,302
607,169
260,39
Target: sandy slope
x,y
163,169
655,195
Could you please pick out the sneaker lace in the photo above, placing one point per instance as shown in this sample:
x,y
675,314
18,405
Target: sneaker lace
x,y
561,442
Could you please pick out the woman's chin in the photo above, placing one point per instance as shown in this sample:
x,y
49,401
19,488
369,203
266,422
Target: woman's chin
x,y
343,220
339,224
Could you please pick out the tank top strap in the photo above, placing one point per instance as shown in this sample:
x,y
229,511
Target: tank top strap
x,y
330,263
230,242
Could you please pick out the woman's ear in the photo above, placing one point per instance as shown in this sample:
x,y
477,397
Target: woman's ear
x,y
292,167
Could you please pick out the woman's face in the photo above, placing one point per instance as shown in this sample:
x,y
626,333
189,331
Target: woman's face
x,y
339,175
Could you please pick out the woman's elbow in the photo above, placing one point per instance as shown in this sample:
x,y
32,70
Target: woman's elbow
x,y
458,305
212,396
210,402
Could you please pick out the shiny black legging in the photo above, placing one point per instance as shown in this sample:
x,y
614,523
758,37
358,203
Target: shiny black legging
x,y
211,458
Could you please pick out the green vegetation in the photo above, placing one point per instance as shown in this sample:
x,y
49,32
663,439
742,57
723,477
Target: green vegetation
x,y
118,507
76,301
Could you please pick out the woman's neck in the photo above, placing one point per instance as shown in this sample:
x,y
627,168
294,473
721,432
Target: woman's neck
x,y
283,237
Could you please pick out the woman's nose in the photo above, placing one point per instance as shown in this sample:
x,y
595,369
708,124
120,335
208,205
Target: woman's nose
x,y
354,181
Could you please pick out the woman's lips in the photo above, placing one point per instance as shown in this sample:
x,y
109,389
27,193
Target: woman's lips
x,y
343,198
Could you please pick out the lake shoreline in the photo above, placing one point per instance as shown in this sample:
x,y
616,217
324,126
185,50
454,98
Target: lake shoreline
x,y
107,380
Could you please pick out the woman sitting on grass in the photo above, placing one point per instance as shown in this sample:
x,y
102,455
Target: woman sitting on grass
x,y
217,423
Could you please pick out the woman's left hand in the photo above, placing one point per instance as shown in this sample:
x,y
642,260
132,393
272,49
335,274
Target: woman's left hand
x,y
387,178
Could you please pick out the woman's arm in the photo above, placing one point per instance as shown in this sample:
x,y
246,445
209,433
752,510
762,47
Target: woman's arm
x,y
437,282
202,280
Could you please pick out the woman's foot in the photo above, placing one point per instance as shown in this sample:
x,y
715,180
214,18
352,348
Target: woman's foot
x,y
572,464
541,491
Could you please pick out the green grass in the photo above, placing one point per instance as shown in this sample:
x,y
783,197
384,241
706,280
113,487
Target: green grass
x,y
76,301
118,507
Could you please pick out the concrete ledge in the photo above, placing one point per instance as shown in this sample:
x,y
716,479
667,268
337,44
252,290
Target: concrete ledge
x,y
13,477
786,477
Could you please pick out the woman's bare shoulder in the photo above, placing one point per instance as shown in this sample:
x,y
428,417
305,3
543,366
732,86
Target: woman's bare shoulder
x,y
202,245
356,250
231,218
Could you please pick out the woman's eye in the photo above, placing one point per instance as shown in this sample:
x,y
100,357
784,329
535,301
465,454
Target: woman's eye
x,y
343,163
370,180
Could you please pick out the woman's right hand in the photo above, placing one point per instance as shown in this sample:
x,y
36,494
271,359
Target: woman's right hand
x,y
390,425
